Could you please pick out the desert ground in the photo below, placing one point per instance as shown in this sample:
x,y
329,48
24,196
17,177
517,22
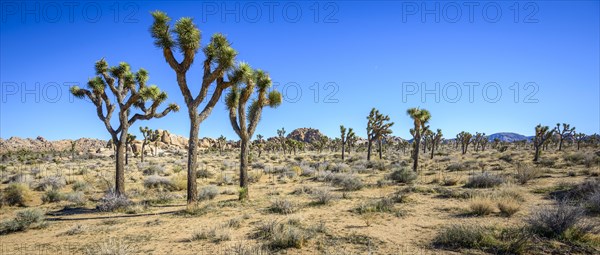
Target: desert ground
x,y
308,202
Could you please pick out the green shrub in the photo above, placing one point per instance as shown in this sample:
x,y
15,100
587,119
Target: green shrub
x,y
25,219
484,180
16,194
52,196
208,193
403,175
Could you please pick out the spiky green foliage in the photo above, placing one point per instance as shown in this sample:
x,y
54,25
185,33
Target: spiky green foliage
x,y
244,119
378,127
129,90
542,134
464,138
420,119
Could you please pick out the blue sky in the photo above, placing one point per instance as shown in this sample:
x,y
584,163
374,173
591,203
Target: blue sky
x,y
358,54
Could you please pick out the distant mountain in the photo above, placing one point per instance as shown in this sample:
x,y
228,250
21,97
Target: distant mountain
x,y
508,137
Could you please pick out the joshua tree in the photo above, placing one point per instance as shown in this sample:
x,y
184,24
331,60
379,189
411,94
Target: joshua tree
x,y
541,136
259,144
378,126
578,138
477,140
345,138
73,144
220,59
122,83
239,113
566,131
402,144
281,136
465,139
420,119
221,143
130,140
322,143
149,136
436,140
496,143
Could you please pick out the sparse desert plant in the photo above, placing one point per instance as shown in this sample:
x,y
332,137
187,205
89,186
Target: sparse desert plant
x,y
112,246
215,235
525,173
111,202
484,180
508,206
16,194
481,206
80,186
158,182
282,235
470,236
77,198
592,204
52,196
76,229
179,182
282,206
322,196
555,221
456,166
208,193
384,204
154,170
24,219
403,175
51,182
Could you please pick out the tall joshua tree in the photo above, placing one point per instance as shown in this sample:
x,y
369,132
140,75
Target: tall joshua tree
x,y
122,83
244,119
562,134
420,119
578,138
542,134
149,136
219,59
465,138
345,137
378,126
436,139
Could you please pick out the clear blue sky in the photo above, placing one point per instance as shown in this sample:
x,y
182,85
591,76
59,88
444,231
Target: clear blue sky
x,y
360,54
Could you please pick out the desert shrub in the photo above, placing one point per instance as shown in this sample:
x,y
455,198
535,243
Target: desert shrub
x,y
208,193
457,166
384,204
338,167
593,203
19,178
282,206
307,170
51,182
555,221
25,219
224,179
575,157
80,186
111,246
376,165
282,235
484,180
444,192
348,182
204,173
16,194
254,176
322,196
465,236
233,223
179,182
449,181
154,170
112,202
52,196
158,182
526,173
546,162
76,229
77,198
303,190
162,197
403,175
481,206
215,235
508,207
507,158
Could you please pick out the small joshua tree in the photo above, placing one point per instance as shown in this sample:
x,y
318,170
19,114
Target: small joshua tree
x,y
420,119
436,140
542,134
350,140
220,59
130,140
465,138
566,131
281,136
259,142
221,143
345,137
378,126
244,119
73,145
122,83
149,136
579,138
477,140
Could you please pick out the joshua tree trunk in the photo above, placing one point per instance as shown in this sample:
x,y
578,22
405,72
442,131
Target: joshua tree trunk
x,y
244,169
432,149
537,154
343,148
380,148
369,150
143,147
120,166
192,193
416,154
